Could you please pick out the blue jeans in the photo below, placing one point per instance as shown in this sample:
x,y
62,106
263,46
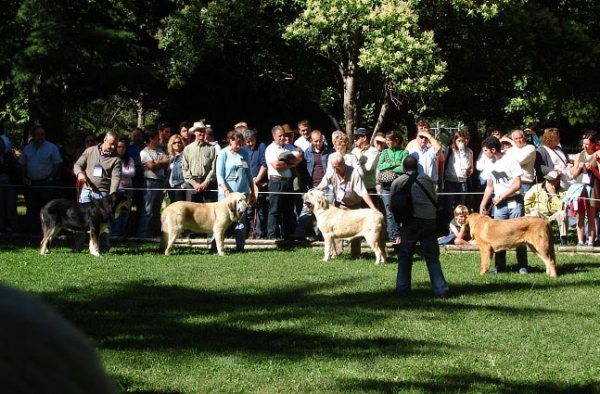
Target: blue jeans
x,y
104,239
393,230
149,219
504,212
425,231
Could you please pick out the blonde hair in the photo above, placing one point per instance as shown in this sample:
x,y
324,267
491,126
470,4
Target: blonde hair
x,y
170,143
461,210
341,141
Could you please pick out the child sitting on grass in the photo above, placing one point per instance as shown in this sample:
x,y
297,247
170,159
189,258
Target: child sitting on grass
x,y
459,231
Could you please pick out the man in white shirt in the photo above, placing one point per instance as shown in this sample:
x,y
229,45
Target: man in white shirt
x,y
304,129
525,156
280,158
368,158
503,190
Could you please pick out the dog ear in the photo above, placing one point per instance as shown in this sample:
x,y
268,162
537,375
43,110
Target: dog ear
x,y
322,201
232,207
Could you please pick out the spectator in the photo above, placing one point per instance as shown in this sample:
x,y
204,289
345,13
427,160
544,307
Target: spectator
x,y
458,168
349,192
427,152
547,200
8,192
458,229
199,166
368,158
99,170
209,137
4,138
256,217
551,157
69,153
422,229
280,158
503,189
235,175
184,132
391,159
525,156
317,157
40,164
341,144
134,149
174,176
586,188
304,129
299,182
164,133
118,227
154,161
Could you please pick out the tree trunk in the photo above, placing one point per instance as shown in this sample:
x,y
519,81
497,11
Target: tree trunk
x,y
385,108
350,97
141,113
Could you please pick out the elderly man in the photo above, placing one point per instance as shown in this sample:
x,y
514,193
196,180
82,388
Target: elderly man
x,y
547,200
349,192
98,169
199,166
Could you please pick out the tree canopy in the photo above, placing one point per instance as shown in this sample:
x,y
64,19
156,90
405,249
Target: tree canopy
x,y
372,63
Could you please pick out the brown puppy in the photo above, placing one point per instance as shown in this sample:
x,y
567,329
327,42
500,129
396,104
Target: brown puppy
x,y
214,217
336,223
498,235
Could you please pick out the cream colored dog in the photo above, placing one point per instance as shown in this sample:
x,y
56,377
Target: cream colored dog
x,y
214,217
336,223
498,235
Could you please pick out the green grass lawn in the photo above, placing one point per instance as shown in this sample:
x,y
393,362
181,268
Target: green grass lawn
x,y
285,322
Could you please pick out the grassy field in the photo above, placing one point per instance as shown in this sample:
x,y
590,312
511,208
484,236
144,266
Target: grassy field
x,y
285,322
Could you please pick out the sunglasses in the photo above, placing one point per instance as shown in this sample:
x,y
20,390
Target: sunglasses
x,y
177,143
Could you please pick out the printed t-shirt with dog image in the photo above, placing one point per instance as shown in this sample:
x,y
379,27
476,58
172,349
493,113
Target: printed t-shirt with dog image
x,y
502,173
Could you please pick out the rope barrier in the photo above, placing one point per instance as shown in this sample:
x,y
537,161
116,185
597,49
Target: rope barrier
x,y
21,186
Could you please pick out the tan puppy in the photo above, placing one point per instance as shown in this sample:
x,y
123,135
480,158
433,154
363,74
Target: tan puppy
x,y
214,217
336,223
498,235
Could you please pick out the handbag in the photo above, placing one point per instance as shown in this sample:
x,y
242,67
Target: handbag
x,y
386,176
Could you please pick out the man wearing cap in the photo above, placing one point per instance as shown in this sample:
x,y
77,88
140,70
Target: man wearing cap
x,y
547,200
368,158
280,158
199,165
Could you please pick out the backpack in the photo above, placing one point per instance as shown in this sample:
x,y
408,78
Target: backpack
x,y
401,201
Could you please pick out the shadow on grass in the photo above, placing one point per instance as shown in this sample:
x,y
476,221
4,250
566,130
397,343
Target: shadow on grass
x,y
464,383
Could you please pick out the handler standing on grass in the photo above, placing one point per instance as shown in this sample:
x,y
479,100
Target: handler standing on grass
x,y
422,228
99,170
504,183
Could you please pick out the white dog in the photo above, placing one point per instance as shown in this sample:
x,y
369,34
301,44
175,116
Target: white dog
x,y
336,223
213,217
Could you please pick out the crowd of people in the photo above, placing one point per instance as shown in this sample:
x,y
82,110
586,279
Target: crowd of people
x,y
503,172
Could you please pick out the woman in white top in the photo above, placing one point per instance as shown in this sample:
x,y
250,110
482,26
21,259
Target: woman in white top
x,y
458,168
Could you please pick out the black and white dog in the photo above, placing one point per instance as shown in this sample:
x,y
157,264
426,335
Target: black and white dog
x,y
90,217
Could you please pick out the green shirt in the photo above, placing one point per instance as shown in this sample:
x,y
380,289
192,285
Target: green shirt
x,y
392,159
